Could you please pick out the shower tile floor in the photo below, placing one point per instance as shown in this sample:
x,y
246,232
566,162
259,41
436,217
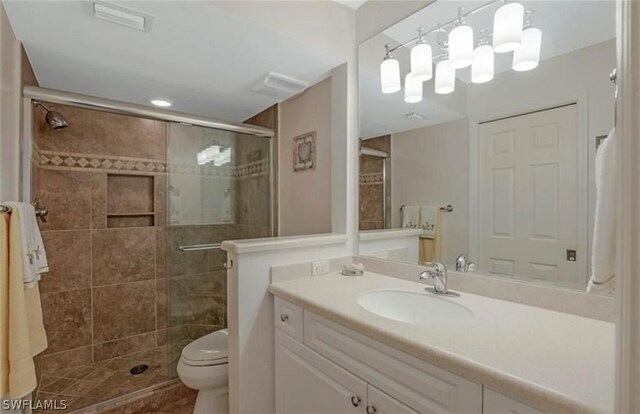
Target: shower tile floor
x,y
88,385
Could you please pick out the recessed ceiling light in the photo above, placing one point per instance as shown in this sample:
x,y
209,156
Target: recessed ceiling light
x,y
161,102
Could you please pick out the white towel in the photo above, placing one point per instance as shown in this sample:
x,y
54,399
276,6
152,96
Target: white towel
x,y
35,258
410,216
603,257
429,220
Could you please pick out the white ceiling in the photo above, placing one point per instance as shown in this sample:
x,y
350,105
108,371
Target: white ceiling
x,y
204,58
566,25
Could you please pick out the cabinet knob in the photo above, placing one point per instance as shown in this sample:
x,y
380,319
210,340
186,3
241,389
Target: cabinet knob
x,y
284,317
371,409
355,401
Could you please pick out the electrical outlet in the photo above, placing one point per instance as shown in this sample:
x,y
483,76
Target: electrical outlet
x,y
319,268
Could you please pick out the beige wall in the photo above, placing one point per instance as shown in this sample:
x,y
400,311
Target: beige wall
x,y
305,196
9,110
422,176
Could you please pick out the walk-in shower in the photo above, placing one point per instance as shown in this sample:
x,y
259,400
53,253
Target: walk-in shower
x,y
139,200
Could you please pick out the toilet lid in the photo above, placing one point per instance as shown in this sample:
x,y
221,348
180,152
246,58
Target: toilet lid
x,y
211,347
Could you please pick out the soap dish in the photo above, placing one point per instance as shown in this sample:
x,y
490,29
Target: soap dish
x,y
351,271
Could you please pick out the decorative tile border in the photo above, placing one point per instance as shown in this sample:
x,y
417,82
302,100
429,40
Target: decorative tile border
x,y
74,161
371,179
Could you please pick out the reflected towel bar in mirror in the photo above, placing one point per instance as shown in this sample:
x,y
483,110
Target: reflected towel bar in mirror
x,y
448,208
195,247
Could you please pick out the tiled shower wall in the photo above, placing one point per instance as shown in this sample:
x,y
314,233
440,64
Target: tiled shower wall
x,y
371,194
106,293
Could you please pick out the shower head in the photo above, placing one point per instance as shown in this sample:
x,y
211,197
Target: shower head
x,y
54,118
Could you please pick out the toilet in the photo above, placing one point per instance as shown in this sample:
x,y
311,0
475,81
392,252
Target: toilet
x,y
203,367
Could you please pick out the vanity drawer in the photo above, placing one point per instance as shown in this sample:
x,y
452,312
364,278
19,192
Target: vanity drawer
x,y
288,318
419,385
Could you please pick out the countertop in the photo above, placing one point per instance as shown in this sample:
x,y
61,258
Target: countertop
x,y
552,361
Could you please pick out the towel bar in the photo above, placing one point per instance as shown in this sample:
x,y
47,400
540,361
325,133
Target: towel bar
x,y
448,208
41,212
195,247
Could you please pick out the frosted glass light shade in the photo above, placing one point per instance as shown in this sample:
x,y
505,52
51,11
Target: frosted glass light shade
x,y
412,89
445,78
482,68
421,62
527,56
390,75
507,27
461,47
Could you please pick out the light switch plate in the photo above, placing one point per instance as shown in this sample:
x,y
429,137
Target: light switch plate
x,y
319,268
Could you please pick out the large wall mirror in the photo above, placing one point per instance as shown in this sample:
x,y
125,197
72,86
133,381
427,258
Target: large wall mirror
x,y
468,146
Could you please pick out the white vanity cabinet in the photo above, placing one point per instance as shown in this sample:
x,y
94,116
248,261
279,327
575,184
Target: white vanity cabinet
x,y
325,367
336,370
307,382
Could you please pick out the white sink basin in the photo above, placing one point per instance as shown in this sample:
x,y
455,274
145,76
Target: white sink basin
x,y
417,308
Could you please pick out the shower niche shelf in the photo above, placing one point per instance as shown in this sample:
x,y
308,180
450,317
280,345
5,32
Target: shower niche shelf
x,y
130,200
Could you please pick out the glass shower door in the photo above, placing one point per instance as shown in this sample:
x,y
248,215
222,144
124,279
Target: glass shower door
x,y
218,188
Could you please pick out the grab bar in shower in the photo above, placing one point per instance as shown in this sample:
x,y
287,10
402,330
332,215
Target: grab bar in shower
x,y
195,247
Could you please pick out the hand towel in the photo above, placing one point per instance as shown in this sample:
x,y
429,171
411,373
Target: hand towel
x,y
429,220
22,334
430,245
410,216
34,255
603,257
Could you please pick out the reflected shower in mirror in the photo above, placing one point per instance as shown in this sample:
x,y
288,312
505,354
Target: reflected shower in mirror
x,y
479,125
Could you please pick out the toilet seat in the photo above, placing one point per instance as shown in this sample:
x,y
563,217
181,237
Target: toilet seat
x,y
208,350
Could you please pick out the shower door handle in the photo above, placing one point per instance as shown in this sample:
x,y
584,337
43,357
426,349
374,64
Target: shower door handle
x,y
194,247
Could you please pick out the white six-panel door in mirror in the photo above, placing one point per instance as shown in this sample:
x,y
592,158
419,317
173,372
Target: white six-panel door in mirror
x,y
528,218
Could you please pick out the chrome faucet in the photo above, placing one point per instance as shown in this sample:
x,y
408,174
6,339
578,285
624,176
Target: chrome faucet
x,y
463,265
438,272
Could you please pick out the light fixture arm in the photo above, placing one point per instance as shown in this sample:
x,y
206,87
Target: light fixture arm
x,y
528,21
443,26
387,52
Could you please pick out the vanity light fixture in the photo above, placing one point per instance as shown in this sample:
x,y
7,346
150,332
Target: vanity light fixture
x,y
527,56
161,102
507,27
412,89
512,31
482,68
421,59
390,73
461,44
445,78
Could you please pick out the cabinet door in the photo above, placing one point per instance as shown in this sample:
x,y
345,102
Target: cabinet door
x,y
307,382
380,403
495,403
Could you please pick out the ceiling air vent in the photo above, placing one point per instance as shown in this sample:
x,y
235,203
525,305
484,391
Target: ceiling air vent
x,y
414,116
124,16
280,86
